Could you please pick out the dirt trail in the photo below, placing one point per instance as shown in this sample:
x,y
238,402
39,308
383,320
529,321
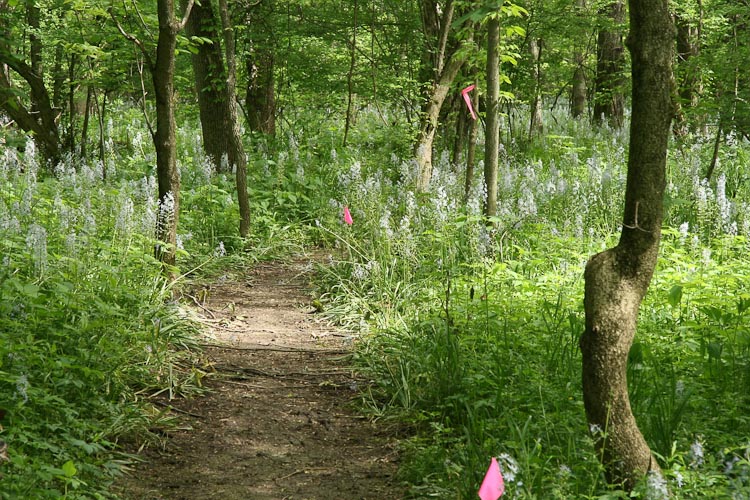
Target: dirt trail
x,y
278,423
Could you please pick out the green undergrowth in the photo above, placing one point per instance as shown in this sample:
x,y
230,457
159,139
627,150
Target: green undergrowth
x,y
472,329
93,338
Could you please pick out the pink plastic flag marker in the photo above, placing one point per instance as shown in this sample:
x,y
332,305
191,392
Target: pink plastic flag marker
x,y
467,99
493,485
348,216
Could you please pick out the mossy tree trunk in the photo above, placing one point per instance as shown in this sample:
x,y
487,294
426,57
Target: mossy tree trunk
x,y
617,279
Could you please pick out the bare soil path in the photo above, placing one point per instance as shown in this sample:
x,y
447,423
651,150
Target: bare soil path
x,y
278,422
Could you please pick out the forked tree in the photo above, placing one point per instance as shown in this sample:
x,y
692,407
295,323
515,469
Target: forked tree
x,y
617,279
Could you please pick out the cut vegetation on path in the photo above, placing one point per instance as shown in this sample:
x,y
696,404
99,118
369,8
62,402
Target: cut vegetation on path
x,y
277,423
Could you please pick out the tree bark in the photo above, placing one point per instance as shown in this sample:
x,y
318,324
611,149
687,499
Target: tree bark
x,y
578,97
472,150
350,74
429,126
536,123
260,96
609,101
617,279
492,138
687,80
208,70
237,158
459,140
165,139
86,116
39,118
446,67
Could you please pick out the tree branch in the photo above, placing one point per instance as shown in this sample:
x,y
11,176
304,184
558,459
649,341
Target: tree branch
x,y
185,18
133,39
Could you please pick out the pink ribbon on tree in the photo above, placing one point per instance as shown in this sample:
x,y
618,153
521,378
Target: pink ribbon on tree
x,y
348,216
493,485
467,99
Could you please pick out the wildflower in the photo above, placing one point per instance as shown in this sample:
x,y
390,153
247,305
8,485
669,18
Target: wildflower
x,y
124,217
721,200
360,272
729,465
166,210
22,387
564,470
679,388
71,243
348,216
385,224
684,230
36,242
220,251
679,479
696,454
656,486
509,467
706,256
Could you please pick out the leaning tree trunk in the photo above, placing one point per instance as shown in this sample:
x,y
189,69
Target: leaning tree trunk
x,y
39,118
492,140
237,158
617,279
609,101
445,68
429,126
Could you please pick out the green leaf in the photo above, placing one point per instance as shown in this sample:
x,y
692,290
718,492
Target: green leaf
x,y
69,469
675,296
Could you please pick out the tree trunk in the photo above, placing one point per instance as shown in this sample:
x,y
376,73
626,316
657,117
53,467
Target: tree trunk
x,y
260,97
423,150
492,137
609,101
350,74
165,140
208,70
38,119
536,123
459,141
446,67
687,80
617,279
471,153
578,107
237,157
578,97
70,140
86,116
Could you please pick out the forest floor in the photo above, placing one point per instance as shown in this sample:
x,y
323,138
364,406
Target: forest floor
x,y
279,421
